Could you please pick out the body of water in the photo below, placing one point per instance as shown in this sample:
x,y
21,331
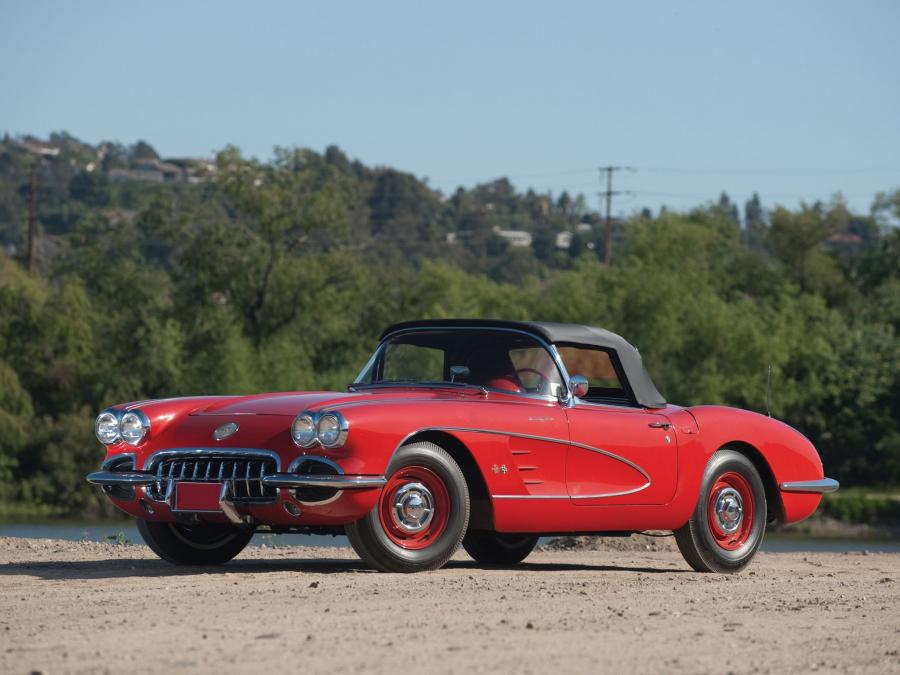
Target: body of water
x,y
111,532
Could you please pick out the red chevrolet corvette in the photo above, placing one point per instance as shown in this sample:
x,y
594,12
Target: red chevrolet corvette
x,y
484,433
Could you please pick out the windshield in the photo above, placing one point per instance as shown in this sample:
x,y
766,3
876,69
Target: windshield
x,y
497,360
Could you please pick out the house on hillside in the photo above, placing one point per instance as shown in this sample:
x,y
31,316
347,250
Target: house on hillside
x,y
40,148
518,238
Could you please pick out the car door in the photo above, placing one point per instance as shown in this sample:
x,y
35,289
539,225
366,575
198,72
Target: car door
x,y
620,453
620,456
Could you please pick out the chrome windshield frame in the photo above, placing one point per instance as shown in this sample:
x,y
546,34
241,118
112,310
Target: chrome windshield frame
x,y
564,398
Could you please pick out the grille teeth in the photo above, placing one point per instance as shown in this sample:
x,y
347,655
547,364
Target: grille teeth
x,y
243,475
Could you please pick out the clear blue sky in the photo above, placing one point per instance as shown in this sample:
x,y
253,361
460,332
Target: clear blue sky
x,y
793,99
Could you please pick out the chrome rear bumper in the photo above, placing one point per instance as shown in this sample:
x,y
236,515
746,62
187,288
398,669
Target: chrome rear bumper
x,y
820,486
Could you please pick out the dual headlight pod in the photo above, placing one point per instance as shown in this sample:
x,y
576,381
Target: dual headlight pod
x,y
328,429
131,427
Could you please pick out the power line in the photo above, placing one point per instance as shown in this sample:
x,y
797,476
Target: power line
x,y
773,171
545,174
689,170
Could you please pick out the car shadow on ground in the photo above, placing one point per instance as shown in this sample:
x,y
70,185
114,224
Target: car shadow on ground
x,y
564,567
149,567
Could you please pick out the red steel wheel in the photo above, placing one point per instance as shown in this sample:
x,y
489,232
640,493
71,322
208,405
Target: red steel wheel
x,y
730,511
728,524
421,514
414,507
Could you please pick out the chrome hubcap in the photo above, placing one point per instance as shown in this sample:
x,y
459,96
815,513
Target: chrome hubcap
x,y
729,510
413,507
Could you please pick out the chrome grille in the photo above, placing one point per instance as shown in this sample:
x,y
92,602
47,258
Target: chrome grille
x,y
242,474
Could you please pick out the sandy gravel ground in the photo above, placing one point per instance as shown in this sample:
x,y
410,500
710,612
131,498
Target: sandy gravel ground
x,y
68,607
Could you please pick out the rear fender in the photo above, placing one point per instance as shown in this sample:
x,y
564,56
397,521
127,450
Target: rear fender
x,y
787,454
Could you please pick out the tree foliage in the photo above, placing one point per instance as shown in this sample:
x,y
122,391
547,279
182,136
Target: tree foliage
x,y
279,275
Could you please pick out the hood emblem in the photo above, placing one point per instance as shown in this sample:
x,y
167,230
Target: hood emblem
x,y
226,430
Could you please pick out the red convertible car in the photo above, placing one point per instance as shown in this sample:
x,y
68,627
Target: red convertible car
x,y
488,434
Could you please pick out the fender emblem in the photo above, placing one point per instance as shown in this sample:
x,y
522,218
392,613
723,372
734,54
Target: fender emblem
x,y
499,469
225,431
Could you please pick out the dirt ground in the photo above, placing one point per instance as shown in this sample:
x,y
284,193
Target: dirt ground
x,y
78,607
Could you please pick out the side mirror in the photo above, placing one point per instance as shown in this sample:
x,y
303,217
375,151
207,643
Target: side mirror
x,y
580,385
460,373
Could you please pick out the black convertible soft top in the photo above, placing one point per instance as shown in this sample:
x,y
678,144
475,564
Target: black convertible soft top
x,y
642,386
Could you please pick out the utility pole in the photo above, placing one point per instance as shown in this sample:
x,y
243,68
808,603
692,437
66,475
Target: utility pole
x,y
607,195
31,252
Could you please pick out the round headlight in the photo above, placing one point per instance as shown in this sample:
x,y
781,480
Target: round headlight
x,y
133,427
107,428
303,430
332,430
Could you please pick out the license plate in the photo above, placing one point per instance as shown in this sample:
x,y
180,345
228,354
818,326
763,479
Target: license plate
x,y
197,496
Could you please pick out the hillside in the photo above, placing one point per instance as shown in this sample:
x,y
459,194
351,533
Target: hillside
x,y
156,276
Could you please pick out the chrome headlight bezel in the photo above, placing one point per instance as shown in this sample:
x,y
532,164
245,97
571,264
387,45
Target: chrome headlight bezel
x,y
336,430
311,437
332,435
108,418
112,420
133,427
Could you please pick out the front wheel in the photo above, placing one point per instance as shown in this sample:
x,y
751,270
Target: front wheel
x,y
499,549
421,515
728,524
207,544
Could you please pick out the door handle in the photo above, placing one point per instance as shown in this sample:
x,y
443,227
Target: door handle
x,y
659,425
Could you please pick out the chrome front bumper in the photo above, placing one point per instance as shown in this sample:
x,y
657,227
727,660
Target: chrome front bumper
x,y
278,480
820,486
120,478
339,482
227,503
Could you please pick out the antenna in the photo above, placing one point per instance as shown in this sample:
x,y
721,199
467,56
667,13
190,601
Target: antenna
x,y
768,388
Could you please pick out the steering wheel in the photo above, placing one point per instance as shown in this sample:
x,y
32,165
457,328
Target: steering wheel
x,y
542,384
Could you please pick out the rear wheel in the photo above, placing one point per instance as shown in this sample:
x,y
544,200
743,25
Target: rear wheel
x,y
205,544
421,515
499,549
729,522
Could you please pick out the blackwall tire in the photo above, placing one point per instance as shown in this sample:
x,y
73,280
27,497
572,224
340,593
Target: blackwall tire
x,y
499,549
732,495
399,534
209,544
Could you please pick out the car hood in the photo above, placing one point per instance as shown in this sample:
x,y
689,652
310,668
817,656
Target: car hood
x,y
293,403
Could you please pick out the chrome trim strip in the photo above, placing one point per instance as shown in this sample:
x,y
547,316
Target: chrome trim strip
x,y
820,486
597,496
530,497
622,493
341,482
120,478
153,458
547,439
